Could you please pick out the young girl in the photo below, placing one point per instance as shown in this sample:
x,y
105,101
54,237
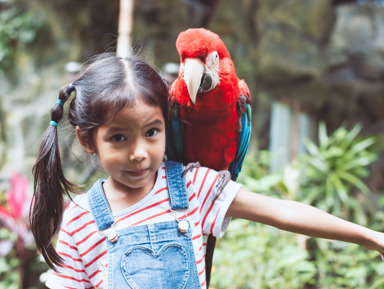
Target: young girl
x,y
145,225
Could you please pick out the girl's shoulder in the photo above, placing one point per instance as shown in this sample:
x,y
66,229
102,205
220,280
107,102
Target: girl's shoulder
x,y
80,202
204,179
199,174
76,207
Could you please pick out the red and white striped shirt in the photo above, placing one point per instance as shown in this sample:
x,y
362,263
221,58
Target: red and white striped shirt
x,y
84,249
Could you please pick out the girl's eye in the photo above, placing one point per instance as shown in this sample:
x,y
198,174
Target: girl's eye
x,y
151,132
118,138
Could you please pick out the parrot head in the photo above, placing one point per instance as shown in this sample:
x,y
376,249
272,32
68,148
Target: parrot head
x,y
204,62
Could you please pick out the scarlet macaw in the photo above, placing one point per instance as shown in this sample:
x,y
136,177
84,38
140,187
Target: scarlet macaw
x,y
209,109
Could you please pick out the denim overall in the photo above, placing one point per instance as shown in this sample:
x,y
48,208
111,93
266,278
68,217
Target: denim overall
x,y
149,256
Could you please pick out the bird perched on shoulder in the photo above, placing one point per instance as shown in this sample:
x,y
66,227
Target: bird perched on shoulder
x,y
209,110
209,107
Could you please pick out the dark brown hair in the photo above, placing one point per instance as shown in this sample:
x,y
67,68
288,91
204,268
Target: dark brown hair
x,y
108,84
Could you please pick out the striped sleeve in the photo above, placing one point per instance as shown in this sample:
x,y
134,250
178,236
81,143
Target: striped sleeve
x,y
72,274
213,204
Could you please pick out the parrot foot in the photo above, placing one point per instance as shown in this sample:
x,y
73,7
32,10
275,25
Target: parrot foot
x,y
191,166
224,178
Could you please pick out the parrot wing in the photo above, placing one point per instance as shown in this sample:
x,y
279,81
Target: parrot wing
x,y
245,112
174,137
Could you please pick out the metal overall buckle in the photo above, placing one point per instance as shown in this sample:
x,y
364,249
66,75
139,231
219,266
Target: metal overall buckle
x,y
183,224
111,234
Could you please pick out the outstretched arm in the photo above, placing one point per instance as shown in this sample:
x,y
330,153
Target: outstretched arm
x,y
303,219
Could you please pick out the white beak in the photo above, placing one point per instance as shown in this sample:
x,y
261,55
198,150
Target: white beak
x,y
193,72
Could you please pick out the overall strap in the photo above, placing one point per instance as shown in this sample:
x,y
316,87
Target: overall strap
x,y
176,185
99,206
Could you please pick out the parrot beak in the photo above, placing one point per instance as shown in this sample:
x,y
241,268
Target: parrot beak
x,y
193,73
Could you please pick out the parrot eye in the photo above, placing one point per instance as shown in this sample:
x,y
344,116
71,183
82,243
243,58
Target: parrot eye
x,y
213,60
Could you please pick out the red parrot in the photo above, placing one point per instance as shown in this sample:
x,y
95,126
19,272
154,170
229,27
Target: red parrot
x,y
209,110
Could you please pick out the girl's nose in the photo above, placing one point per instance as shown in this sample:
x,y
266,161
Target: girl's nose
x,y
138,153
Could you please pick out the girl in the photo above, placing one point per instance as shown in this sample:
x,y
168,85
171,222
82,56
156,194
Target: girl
x,y
145,225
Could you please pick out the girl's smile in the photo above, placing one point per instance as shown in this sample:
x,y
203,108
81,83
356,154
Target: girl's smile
x,y
138,173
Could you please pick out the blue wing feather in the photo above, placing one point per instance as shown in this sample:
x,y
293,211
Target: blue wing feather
x,y
174,136
244,139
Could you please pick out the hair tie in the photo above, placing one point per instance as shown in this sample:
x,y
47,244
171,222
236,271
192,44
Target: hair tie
x,y
54,123
59,102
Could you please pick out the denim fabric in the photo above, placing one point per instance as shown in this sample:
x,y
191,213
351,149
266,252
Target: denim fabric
x,y
176,185
99,206
153,255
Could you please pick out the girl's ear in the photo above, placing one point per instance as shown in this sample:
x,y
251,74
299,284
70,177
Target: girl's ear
x,y
84,143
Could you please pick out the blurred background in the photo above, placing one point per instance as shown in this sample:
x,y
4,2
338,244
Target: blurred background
x,y
315,69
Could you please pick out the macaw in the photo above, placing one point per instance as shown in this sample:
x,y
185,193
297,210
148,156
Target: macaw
x,y
209,107
209,111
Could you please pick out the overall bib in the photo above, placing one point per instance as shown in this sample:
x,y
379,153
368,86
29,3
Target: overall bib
x,y
158,255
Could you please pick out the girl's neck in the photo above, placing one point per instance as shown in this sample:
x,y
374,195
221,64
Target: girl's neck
x,y
120,197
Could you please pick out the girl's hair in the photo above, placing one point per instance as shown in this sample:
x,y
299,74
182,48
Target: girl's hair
x,y
106,86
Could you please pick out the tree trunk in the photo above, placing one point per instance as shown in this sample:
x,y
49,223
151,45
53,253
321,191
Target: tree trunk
x,y
125,28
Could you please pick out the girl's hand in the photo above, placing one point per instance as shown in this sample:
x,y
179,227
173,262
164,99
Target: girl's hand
x,y
376,242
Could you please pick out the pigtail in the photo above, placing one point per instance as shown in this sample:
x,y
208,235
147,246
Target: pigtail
x,y
50,185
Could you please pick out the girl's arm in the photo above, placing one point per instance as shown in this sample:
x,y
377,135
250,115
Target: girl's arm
x,y
303,219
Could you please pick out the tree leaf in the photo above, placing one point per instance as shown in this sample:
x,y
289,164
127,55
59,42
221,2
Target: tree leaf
x,y
354,132
354,181
362,145
323,137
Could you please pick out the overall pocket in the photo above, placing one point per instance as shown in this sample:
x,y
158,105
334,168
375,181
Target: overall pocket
x,y
167,268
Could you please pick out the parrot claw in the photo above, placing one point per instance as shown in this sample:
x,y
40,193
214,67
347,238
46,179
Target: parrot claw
x,y
224,178
191,166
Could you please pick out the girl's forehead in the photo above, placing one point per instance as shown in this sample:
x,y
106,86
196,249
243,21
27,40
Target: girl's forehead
x,y
138,114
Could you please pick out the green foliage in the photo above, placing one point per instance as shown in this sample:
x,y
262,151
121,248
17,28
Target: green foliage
x,y
257,256
253,255
255,175
343,265
9,274
20,27
12,276
335,169
329,177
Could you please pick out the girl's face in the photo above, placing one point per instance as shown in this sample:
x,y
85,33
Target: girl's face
x,y
131,147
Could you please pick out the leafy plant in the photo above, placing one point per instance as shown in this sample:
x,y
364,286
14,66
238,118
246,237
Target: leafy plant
x,y
253,255
335,169
255,177
19,28
255,174
343,265
257,256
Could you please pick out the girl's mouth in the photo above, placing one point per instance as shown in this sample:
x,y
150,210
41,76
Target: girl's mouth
x,y
138,173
